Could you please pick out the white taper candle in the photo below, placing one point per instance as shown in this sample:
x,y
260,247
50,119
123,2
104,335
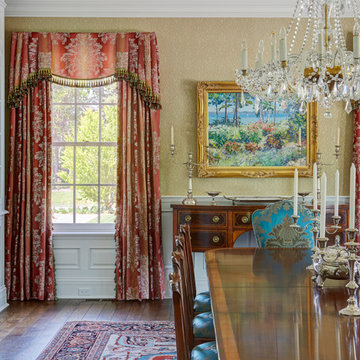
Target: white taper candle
x,y
315,186
356,41
352,197
295,191
172,137
323,206
336,205
244,55
299,139
283,44
338,137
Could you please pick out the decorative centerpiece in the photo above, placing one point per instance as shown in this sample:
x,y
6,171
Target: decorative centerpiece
x,y
331,263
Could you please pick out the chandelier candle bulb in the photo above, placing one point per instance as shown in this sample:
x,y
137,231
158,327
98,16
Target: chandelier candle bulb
x,y
356,41
283,44
261,53
338,137
244,56
273,47
352,197
323,206
336,205
315,186
295,192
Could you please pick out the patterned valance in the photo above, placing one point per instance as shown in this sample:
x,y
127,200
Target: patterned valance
x,y
84,60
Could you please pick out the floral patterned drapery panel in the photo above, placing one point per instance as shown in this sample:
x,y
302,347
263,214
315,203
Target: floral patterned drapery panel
x,y
139,264
356,160
28,242
85,59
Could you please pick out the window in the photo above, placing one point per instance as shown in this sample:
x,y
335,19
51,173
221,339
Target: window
x,y
84,124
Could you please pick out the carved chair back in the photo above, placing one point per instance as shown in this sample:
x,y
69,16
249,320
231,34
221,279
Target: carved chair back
x,y
182,315
185,231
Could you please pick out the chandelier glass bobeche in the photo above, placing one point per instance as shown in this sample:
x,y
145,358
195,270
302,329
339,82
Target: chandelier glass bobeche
x,y
323,70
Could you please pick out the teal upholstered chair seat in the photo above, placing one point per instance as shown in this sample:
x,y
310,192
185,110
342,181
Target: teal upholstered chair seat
x,y
203,326
272,226
202,302
205,351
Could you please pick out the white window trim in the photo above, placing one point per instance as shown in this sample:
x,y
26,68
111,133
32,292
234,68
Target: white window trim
x,y
69,228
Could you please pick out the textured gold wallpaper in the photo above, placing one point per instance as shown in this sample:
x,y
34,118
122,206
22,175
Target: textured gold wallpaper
x,y
193,50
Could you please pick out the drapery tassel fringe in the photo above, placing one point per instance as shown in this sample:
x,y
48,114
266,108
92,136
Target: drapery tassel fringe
x,y
83,83
16,96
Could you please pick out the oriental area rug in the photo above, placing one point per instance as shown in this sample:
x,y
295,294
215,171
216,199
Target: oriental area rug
x,y
99,340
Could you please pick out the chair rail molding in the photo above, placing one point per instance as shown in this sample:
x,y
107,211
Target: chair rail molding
x,y
142,8
3,298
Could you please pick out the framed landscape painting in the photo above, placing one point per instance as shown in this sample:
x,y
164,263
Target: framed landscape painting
x,y
237,137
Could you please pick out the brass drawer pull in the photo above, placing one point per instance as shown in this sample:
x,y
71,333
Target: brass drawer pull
x,y
187,218
215,239
245,219
215,219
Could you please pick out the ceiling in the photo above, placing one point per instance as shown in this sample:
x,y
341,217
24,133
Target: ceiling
x,y
150,8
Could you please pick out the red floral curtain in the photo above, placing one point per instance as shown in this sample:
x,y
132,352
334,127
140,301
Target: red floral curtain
x,y
356,160
139,266
28,244
79,59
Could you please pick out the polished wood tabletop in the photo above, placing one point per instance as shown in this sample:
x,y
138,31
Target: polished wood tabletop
x,y
266,307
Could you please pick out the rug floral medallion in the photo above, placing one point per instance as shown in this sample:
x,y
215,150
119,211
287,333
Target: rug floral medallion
x,y
93,340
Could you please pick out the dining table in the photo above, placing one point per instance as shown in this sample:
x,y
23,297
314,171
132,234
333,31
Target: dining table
x,y
266,306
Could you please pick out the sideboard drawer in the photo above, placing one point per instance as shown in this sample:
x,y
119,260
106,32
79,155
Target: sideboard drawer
x,y
242,218
206,239
203,219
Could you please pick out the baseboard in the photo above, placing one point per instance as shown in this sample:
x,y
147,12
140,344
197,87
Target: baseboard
x,y
3,298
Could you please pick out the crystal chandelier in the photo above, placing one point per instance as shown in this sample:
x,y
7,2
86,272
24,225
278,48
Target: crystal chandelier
x,y
322,70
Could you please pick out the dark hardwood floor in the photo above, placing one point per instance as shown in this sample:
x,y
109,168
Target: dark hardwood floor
x,y
27,327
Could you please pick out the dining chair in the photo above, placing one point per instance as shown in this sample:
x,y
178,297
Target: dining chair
x,y
201,301
272,226
183,327
202,324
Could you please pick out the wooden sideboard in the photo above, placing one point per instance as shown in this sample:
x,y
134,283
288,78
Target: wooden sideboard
x,y
217,226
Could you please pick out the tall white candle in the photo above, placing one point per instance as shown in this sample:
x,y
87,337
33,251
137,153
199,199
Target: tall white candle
x,y
356,41
244,55
273,47
336,205
352,197
315,186
172,137
338,137
299,139
261,53
283,44
323,206
295,191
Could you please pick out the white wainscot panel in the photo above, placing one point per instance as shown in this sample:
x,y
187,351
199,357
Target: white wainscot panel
x,y
66,258
102,259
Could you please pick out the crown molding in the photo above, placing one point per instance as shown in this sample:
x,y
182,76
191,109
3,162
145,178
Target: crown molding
x,y
157,8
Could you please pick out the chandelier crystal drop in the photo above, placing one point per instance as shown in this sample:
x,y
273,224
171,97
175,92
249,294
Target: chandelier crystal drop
x,y
321,70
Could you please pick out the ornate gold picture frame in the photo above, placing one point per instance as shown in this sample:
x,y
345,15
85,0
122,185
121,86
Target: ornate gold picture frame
x,y
238,138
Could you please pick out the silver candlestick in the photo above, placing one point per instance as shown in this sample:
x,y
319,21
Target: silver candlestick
x,y
352,309
190,166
